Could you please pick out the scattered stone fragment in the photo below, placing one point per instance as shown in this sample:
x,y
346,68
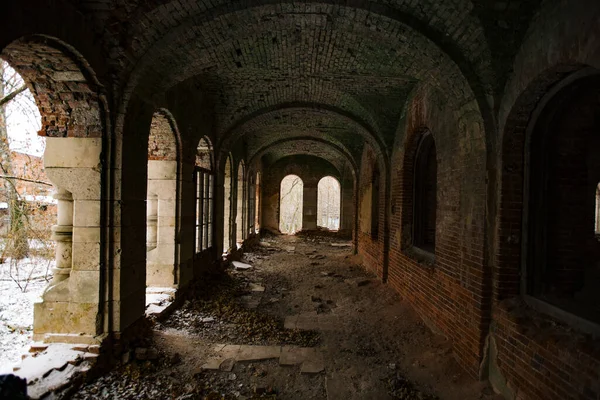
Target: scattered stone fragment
x,y
227,365
363,282
212,364
314,365
347,244
256,288
241,266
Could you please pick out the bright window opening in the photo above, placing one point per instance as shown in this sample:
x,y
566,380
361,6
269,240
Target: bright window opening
x,y
227,206
290,205
241,205
597,225
328,203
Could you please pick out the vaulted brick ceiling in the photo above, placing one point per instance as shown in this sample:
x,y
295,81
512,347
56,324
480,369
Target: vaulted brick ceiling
x,y
277,70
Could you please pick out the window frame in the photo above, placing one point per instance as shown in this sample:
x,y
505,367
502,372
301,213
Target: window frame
x,y
204,204
531,258
419,244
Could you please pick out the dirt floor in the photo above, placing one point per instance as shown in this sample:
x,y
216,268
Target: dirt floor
x,y
370,343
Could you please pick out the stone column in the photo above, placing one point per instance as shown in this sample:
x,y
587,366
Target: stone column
x,y
70,308
151,222
62,234
309,213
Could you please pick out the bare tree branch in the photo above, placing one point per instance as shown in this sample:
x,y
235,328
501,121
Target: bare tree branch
x,y
12,95
26,180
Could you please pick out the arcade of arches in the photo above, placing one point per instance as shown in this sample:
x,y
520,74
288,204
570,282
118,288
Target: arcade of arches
x,y
464,137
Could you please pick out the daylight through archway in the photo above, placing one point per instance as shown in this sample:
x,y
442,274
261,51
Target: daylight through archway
x,y
328,203
27,213
291,193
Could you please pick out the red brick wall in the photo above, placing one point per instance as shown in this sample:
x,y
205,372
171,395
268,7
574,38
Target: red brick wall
x,y
542,360
448,294
66,97
538,356
162,144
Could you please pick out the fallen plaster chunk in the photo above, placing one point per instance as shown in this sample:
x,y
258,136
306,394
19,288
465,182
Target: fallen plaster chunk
x,y
160,290
227,365
313,365
241,266
256,288
344,244
257,353
157,298
153,309
56,356
291,355
212,364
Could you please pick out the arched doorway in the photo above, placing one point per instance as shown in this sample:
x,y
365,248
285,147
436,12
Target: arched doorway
x,y
227,178
240,215
72,122
328,203
257,204
562,171
291,195
161,203
27,213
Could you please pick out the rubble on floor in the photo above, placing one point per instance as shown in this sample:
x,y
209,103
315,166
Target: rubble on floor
x,y
325,331
51,367
159,300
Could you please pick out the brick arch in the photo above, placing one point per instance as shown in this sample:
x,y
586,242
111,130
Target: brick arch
x,y
205,154
73,32
163,143
63,85
334,148
299,114
518,123
554,44
456,77
470,51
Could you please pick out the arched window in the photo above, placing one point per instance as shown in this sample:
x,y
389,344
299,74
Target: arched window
x,y
375,203
161,210
257,211
425,195
72,120
328,203
290,204
597,226
251,204
227,183
562,268
204,195
241,204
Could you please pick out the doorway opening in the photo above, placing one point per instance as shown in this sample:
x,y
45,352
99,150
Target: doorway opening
x,y
328,203
290,204
227,206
